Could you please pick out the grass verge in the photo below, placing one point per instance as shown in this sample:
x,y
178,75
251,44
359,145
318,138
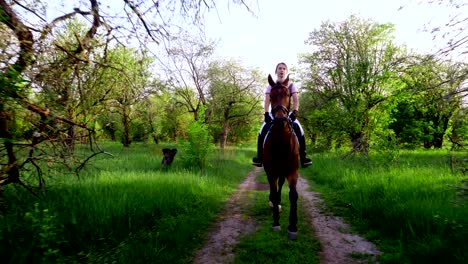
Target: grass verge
x,y
408,207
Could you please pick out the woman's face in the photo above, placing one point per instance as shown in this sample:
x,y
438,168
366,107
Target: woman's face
x,y
281,71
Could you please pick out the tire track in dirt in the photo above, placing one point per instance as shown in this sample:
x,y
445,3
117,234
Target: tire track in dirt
x,y
231,224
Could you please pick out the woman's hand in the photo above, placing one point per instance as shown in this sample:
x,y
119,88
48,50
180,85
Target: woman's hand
x,y
293,115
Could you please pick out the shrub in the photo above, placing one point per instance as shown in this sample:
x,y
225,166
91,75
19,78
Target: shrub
x,y
198,146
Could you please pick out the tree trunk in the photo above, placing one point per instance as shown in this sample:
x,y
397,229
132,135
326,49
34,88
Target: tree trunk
x,y
438,138
225,131
11,169
224,134
70,140
126,123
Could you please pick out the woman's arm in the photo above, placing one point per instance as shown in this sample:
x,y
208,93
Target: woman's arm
x,y
295,102
266,104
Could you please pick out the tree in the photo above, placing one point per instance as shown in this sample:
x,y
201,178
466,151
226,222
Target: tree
x,y
73,88
131,85
186,70
235,93
353,66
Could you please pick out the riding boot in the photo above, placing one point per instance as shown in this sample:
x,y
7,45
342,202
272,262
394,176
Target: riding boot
x,y
258,160
305,161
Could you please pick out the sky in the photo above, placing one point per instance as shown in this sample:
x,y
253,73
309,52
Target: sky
x,y
279,28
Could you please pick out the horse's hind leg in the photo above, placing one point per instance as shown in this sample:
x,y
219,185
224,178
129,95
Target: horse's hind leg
x,y
293,197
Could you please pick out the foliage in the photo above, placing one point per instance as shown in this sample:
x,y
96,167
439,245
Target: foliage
x,y
428,102
459,129
198,146
132,84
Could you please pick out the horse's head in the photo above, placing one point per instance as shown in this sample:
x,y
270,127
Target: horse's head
x,y
279,98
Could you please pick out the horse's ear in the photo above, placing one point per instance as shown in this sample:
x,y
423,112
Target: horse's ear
x,y
286,81
270,80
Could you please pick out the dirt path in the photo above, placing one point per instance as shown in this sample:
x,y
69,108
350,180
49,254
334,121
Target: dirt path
x,y
338,244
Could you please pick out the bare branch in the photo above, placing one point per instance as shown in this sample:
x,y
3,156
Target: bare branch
x,y
29,10
54,22
142,20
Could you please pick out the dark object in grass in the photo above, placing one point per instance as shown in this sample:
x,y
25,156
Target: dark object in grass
x,y
168,156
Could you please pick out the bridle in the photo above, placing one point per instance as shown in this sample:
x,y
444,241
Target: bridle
x,y
278,108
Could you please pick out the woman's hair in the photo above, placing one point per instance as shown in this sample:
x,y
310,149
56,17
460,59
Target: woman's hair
x,y
281,63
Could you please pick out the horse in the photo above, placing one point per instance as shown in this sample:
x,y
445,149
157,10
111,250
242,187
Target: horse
x,y
281,155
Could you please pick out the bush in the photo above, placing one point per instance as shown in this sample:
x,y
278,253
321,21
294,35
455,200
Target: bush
x,y
198,146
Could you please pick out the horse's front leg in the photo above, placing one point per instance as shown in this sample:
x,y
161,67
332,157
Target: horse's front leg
x,y
274,198
280,186
293,197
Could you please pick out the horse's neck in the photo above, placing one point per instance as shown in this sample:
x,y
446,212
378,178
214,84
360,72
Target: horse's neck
x,y
281,142
281,133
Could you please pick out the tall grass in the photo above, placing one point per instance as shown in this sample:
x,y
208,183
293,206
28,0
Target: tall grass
x,y
408,206
122,209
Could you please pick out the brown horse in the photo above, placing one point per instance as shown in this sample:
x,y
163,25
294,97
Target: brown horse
x,y
281,155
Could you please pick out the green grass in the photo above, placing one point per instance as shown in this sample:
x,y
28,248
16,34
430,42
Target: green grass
x,y
123,209
266,246
408,207
126,208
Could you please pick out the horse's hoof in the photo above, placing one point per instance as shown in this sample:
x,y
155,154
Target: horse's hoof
x,y
292,235
276,228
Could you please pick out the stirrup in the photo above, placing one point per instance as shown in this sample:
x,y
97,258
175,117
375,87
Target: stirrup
x,y
306,162
257,162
